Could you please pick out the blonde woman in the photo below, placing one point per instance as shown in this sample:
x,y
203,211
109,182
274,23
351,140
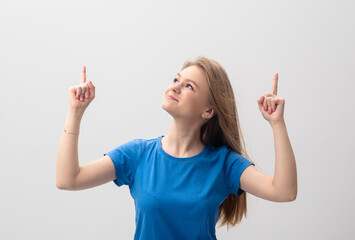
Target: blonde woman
x,y
183,183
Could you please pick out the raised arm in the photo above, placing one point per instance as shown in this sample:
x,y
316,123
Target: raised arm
x,y
69,175
283,186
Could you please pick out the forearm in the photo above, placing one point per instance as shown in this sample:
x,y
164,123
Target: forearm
x,y
285,177
68,157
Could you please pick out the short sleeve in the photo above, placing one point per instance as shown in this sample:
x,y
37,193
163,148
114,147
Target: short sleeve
x,y
234,167
125,158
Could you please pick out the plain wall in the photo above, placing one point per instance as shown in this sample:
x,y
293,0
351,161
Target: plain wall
x,y
132,50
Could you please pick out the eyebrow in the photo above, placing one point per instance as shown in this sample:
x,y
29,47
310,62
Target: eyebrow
x,y
189,80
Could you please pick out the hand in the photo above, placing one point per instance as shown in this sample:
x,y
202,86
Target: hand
x,y
80,96
271,105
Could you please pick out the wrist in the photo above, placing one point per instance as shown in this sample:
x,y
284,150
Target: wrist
x,y
73,120
280,123
75,112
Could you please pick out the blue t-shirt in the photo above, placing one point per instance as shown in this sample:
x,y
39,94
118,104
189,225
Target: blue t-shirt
x,y
176,198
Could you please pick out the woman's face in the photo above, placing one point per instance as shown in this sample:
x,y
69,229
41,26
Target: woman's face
x,y
187,95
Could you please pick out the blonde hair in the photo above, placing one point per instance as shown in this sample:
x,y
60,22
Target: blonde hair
x,y
223,129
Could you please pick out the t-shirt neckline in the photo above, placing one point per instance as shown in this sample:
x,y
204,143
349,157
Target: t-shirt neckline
x,y
196,157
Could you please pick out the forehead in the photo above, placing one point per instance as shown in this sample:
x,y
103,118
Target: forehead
x,y
194,73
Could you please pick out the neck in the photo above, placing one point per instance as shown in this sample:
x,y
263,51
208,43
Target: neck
x,y
183,139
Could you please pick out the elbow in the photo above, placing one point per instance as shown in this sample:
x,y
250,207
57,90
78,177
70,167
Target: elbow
x,y
62,186
59,185
291,197
294,194
287,197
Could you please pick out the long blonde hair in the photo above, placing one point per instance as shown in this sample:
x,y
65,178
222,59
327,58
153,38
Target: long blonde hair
x,y
223,129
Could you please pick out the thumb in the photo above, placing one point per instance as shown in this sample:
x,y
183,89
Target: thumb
x,y
91,85
91,89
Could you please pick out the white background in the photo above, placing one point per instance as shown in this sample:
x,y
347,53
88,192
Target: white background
x,y
132,50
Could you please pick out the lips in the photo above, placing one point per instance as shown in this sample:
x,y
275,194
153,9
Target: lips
x,y
171,97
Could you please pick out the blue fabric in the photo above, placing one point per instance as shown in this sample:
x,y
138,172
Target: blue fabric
x,y
176,198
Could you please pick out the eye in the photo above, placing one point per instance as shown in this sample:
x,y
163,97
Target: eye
x,y
188,85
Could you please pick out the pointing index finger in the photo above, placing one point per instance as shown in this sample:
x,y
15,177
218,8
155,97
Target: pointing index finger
x,y
83,75
274,84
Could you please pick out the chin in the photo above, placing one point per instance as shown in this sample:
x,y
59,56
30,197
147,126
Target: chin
x,y
165,106
167,109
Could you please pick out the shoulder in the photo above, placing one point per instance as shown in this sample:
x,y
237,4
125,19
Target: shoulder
x,y
228,156
136,145
146,142
139,144
223,151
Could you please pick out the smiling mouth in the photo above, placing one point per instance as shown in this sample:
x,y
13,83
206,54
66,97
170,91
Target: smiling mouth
x,y
172,98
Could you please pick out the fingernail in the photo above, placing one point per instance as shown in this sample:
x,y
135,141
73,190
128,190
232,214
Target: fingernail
x,y
269,112
264,108
81,99
90,82
87,95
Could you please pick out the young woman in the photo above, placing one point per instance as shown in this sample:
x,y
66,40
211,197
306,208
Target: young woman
x,y
198,173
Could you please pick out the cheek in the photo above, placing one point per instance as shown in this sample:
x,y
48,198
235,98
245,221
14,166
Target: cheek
x,y
201,102
166,90
195,101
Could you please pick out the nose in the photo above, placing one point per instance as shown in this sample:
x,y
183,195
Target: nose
x,y
176,88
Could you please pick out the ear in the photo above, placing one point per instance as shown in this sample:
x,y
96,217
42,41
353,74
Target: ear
x,y
209,113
